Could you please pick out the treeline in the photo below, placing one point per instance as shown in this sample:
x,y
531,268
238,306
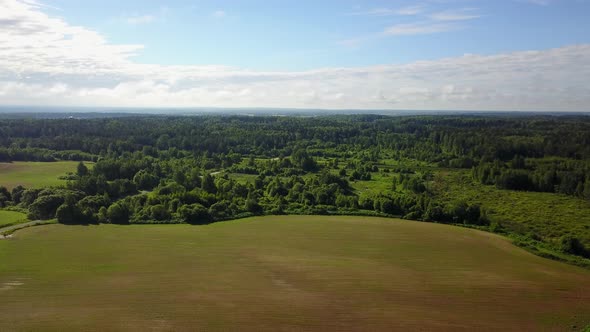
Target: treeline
x,y
145,190
38,154
453,141
563,176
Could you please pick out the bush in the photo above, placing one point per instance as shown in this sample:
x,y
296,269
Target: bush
x,y
44,207
572,245
118,213
194,214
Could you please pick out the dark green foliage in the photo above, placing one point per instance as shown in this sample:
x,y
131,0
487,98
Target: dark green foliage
x,y
208,184
69,213
303,160
82,170
159,212
44,207
17,194
145,181
572,245
118,213
194,214
5,197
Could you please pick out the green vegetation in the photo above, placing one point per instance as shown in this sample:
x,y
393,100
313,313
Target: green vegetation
x,y
35,174
542,215
527,177
9,218
283,273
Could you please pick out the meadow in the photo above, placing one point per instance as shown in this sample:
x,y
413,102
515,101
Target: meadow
x,y
283,273
8,218
538,214
34,174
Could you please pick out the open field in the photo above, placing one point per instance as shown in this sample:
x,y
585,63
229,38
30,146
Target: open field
x,y
34,174
11,218
546,214
283,273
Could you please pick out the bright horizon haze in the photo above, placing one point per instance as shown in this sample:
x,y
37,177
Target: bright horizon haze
x,y
506,55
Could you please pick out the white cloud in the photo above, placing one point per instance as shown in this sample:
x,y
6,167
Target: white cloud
x,y
140,19
219,14
411,10
46,61
538,2
431,23
404,11
418,29
455,15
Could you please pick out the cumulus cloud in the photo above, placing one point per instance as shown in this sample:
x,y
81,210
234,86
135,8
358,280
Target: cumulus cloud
x,y
46,61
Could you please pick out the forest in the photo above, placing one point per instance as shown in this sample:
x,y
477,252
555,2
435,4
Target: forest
x,y
145,169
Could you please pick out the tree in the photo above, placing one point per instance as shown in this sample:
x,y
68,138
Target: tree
x,y
572,245
145,181
302,159
118,213
208,184
472,215
5,196
69,213
82,170
159,212
102,215
17,193
253,206
194,214
44,207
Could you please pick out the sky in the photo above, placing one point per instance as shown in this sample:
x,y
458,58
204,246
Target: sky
x,y
516,55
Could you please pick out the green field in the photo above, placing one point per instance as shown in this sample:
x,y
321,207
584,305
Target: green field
x,y
546,214
34,174
11,218
283,273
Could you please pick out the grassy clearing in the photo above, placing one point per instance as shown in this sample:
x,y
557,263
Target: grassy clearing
x,y
34,174
379,183
283,273
8,218
545,214
243,178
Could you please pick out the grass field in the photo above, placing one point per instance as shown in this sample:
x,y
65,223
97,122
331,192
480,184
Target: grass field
x,y
11,218
546,214
283,273
34,174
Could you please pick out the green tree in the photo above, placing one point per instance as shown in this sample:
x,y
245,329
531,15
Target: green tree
x,y
82,170
194,214
208,184
118,213
572,245
44,207
69,213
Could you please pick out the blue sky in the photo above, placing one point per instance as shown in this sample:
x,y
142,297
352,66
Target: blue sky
x,y
345,54
299,35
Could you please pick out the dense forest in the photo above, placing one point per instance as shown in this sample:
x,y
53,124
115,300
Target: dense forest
x,y
202,169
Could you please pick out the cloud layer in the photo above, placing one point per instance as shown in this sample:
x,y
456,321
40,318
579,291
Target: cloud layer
x,y
46,61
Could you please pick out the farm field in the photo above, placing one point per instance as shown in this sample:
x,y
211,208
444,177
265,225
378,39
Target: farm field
x,y
283,273
11,218
34,174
